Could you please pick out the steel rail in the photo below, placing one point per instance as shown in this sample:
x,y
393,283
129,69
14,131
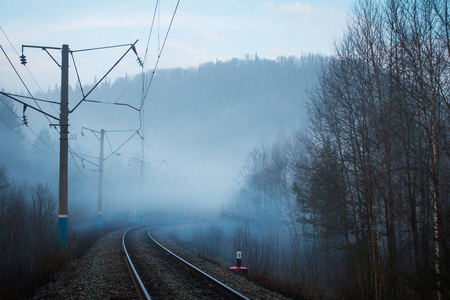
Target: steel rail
x,y
234,294
141,290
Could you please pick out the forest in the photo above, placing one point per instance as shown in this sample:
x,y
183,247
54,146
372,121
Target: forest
x,y
362,192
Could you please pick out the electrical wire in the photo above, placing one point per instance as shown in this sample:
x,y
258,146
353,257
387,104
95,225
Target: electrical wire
x,y
29,72
25,139
111,103
159,53
27,105
151,148
81,156
26,87
17,73
110,146
73,154
78,75
95,86
78,167
34,79
36,99
102,48
150,33
1,99
159,26
114,152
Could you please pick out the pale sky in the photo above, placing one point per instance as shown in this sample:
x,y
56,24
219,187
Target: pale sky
x,y
202,31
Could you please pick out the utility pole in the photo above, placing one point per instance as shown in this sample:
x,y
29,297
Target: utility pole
x,y
63,214
100,165
64,148
100,180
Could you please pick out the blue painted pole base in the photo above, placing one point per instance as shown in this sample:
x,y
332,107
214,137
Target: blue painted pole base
x,y
99,221
62,231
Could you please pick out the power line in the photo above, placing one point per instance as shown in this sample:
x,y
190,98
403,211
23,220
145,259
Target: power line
x,y
9,108
29,72
73,158
111,103
36,99
151,30
159,53
114,152
117,62
24,138
105,47
27,105
15,70
150,146
78,75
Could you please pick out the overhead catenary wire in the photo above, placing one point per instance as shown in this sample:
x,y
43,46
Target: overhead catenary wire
x,y
102,48
17,73
27,105
110,145
111,103
35,100
115,151
29,128
25,139
146,85
78,167
31,75
109,142
104,76
29,72
150,33
82,157
78,75
159,55
79,79
26,97
150,146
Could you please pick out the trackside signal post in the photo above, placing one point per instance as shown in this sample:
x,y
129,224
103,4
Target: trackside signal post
x,y
64,148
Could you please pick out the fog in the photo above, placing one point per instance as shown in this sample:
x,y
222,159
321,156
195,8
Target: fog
x,y
200,124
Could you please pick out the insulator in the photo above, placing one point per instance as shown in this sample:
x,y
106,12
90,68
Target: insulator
x,y
140,62
24,120
23,59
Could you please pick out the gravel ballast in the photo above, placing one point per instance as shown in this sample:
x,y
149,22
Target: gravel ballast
x,y
103,274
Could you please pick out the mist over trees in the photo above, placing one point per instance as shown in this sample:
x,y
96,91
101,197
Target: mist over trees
x,y
363,192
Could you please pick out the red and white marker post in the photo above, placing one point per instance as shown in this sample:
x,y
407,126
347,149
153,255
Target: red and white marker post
x,y
239,269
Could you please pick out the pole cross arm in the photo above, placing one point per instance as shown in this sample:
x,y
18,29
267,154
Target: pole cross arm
x,y
104,76
28,105
112,103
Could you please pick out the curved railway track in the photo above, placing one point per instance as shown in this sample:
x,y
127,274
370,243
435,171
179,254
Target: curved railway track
x,y
180,279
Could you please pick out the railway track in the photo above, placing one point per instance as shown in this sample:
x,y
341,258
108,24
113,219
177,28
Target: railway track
x,y
177,278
